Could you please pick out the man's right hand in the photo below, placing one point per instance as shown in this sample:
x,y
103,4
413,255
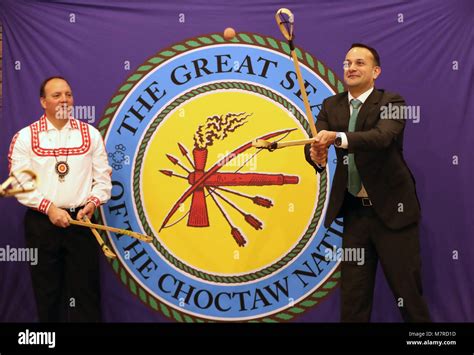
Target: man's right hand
x,y
58,216
318,155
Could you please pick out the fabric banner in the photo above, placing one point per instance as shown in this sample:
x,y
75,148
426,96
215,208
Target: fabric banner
x,y
238,232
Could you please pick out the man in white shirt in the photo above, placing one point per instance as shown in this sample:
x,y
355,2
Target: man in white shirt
x,y
373,189
71,163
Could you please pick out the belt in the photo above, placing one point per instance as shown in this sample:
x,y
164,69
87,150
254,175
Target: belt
x,y
359,201
70,210
73,210
365,201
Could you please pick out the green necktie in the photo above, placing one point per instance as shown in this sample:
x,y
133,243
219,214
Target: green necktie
x,y
354,184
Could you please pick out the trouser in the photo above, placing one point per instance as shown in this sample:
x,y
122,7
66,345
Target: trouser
x,y
399,254
66,278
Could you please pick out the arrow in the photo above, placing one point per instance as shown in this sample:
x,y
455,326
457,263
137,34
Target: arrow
x,y
171,173
175,161
258,200
236,234
254,222
185,152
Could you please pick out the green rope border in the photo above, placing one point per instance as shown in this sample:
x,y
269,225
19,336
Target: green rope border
x,y
228,85
208,40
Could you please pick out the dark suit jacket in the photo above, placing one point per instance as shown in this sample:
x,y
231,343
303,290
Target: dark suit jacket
x,y
377,145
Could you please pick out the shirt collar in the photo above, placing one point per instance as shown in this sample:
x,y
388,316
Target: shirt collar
x,y
361,97
46,125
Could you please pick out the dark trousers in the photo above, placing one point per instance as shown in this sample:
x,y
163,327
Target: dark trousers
x,y
66,278
399,254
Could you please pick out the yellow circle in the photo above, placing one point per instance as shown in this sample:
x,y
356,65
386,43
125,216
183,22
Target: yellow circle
x,y
213,249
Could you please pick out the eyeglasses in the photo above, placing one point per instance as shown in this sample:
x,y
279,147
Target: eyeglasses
x,y
358,63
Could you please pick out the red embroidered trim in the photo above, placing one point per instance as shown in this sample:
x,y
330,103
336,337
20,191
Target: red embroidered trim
x,y
10,151
44,205
73,123
41,126
94,200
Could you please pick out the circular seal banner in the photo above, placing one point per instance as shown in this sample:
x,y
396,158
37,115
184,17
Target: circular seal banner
x,y
237,231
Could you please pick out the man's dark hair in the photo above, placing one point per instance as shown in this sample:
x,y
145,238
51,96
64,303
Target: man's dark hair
x,y
48,80
371,50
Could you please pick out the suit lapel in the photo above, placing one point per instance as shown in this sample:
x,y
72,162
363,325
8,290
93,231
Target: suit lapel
x,y
343,113
367,109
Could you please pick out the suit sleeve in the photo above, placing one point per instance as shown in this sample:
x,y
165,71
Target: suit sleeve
x,y
321,124
382,135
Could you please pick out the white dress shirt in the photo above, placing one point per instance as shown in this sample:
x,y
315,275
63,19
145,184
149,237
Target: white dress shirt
x,y
362,98
41,145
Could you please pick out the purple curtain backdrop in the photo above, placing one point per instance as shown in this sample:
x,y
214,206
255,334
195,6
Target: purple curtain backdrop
x,y
427,51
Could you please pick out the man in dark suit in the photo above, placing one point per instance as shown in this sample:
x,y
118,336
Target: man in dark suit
x,y
373,190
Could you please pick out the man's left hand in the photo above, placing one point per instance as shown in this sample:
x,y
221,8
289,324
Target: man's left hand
x,y
88,211
324,139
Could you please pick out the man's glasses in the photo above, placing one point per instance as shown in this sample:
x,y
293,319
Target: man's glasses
x,y
358,63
